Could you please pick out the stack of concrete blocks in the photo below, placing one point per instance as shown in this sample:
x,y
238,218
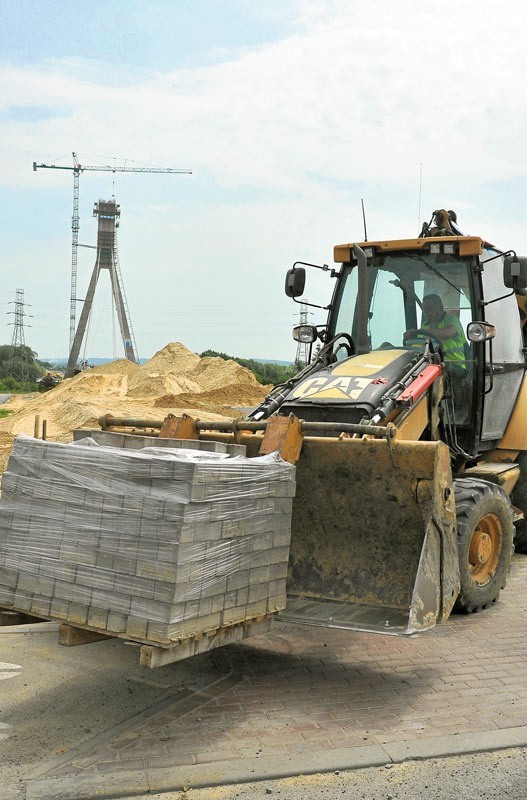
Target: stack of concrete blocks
x,y
154,545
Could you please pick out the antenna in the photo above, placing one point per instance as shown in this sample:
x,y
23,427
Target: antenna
x,y
420,188
364,220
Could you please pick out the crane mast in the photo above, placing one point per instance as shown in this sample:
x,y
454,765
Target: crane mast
x,y
77,169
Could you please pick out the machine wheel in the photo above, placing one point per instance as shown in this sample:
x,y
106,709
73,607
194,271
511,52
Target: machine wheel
x,y
519,499
485,532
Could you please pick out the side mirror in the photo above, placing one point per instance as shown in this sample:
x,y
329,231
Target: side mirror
x,y
480,331
515,272
305,333
295,281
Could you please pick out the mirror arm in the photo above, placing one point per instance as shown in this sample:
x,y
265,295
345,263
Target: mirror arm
x,y
324,268
484,303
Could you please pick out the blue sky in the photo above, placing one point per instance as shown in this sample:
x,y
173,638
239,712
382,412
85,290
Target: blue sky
x,y
139,35
288,113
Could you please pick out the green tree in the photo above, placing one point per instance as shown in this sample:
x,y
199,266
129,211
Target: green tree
x,y
19,363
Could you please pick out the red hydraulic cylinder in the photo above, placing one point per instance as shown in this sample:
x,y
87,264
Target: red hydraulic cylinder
x,y
419,386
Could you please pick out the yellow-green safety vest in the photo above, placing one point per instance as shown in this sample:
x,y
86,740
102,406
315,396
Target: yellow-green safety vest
x,y
453,348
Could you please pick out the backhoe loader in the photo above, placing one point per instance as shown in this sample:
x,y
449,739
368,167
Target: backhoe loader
x,y
408,432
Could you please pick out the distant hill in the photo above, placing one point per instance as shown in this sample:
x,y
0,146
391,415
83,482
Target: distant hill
x,y
95,362
273,361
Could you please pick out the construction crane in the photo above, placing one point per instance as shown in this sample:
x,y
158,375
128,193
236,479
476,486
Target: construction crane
x,y
77,168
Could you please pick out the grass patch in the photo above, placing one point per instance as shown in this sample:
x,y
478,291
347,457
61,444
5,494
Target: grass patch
x,y
5,412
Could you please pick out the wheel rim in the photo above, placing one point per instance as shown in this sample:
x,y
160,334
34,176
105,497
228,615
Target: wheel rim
x,y
485,547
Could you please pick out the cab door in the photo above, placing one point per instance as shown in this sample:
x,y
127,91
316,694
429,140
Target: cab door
x,y
504,359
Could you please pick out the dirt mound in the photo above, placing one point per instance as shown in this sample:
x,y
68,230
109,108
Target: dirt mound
x,y
167,372
175,357
226,397
121,367
174,379
215,373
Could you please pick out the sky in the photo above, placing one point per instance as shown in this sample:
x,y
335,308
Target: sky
x,y
288,113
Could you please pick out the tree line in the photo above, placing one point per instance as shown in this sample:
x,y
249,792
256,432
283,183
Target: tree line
x,y
20,368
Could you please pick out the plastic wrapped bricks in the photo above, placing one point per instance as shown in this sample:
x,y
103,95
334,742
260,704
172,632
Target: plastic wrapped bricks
x,y
156,544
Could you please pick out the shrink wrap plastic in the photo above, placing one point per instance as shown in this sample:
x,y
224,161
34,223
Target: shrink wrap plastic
x,y
154,544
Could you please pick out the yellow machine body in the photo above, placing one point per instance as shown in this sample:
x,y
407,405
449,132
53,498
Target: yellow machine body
x,y
375,530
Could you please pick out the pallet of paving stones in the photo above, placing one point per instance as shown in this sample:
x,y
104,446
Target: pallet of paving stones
x,y
157,545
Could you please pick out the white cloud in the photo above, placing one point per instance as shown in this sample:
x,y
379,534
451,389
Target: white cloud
x,y
284,139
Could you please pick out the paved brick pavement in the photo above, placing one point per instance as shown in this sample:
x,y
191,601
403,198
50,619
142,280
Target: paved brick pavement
x,y
300,691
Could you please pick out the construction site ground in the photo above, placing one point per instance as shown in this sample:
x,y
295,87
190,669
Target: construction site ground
x,y
88,722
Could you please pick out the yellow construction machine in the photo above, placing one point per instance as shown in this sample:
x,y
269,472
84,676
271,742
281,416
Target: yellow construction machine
x,y
408,430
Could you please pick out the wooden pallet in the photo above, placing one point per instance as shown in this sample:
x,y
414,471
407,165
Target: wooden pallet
x,y
152,656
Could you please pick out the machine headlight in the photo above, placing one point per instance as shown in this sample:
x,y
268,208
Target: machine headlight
x,y
480,331
305,333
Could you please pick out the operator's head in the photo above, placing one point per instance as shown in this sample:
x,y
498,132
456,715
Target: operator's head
x,y
433,310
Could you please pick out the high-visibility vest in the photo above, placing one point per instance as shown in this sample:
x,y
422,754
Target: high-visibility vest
x,y
453,348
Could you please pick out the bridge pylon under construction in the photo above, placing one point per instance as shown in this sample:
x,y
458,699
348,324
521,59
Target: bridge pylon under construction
x,y
107,213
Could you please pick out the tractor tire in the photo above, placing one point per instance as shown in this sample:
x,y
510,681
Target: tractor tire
x,y
519,499
485,532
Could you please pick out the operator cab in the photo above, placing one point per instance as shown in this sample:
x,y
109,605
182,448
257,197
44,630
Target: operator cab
x,y
399,287
382,306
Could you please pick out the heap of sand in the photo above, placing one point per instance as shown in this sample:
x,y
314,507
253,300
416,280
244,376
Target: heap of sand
x,y
174,380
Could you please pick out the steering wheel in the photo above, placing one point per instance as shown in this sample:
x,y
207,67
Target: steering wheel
x,y
348,345
413,341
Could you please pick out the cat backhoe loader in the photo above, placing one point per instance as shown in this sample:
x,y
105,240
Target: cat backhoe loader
x,y
409,433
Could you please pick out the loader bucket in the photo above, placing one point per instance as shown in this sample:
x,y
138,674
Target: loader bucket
x,y
373,536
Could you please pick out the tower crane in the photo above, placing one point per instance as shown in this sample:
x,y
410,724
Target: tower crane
x,y
76,169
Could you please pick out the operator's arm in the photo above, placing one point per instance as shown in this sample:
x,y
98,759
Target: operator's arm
x,y
441,333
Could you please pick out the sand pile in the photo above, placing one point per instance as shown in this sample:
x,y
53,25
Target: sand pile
x,y
168,372
174,380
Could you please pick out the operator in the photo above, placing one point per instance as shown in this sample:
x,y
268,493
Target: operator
x,y
445,327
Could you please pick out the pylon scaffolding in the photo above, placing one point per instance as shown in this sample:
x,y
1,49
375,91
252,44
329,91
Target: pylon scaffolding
x,y
107,213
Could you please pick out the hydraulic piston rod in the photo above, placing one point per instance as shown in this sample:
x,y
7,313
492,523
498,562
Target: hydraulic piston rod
x,y
108,422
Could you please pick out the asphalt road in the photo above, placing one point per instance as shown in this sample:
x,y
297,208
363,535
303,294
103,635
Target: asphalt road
x,y
4,398
488,776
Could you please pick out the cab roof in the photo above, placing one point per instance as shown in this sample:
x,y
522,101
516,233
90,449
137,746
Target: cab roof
x,y
465,246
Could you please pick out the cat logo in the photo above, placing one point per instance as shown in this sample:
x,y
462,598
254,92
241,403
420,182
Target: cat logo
x,y
345,387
